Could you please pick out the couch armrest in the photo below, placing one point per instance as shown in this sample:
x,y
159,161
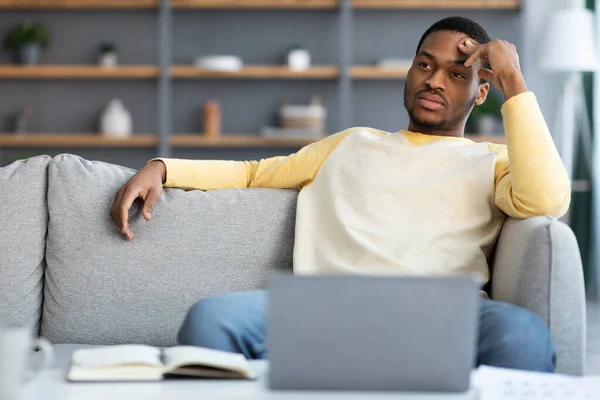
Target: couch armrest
x,y
537,265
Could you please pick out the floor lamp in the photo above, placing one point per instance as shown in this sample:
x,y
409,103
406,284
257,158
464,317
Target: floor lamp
x,y
569,45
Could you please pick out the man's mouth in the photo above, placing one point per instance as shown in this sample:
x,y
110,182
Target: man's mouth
x,y
430,102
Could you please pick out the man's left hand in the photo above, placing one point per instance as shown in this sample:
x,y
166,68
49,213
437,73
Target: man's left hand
x,y
503,58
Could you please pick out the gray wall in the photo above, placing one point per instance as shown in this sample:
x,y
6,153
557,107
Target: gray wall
x,y
260,37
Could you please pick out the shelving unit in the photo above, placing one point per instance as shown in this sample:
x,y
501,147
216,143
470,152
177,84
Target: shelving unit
x,y
78,72
164,72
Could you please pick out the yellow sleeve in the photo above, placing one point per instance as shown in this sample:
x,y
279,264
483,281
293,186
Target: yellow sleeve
x,y
287,172
530,179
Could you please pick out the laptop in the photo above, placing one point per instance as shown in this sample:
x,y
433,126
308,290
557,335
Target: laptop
x,y
372,333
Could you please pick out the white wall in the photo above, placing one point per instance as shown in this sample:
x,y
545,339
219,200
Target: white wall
x,y
546,85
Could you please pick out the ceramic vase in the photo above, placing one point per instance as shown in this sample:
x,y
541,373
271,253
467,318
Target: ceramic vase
x,y
116,120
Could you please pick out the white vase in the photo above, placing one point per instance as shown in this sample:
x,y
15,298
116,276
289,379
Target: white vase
x,y
108,59
299,60
116,120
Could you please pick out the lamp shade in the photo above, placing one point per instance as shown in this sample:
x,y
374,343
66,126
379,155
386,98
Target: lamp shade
x,y
569,42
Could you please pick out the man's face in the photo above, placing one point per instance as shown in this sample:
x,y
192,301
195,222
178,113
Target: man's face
x,y
440,91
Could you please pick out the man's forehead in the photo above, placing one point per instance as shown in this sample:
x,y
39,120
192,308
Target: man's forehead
x,y
444,44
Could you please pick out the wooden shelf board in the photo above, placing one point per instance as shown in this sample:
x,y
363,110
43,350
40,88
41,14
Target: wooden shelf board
x,y
78,72
79,4
257,72
178,140
75,140
257,4
198,140
420,4
371,72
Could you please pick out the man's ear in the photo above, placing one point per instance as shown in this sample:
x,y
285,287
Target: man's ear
x,y
482,93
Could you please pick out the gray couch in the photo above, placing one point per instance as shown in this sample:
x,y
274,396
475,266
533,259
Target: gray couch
x,y
67,272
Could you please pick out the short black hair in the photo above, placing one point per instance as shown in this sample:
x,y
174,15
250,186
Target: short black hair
x,y
458,24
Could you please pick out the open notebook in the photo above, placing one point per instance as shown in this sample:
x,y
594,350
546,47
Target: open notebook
x,y
147,363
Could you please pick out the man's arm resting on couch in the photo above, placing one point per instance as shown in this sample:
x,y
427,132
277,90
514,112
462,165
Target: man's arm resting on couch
x,y
291,172
287,172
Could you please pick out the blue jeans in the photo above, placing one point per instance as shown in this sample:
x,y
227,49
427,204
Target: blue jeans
x,y
509,336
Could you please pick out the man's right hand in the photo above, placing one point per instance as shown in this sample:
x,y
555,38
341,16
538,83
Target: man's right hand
x,y
146,184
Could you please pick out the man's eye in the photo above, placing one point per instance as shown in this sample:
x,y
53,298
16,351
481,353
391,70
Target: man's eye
x,y
458,75
424,65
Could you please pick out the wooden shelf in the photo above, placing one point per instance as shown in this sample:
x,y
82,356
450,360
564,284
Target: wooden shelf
x,y
143,140
75,140
258,4
79,4
179,140
197,140
420,4
257,72
370,72
77,72
184,71
151,72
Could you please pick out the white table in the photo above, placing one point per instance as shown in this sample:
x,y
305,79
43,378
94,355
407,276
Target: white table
x,y
51,384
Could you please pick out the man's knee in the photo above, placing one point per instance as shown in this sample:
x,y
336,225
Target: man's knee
x,y
513,337
204,323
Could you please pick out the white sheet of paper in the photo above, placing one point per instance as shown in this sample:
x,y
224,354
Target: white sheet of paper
x,y
506,384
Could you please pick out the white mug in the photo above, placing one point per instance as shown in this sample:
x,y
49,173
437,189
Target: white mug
x,y
16,345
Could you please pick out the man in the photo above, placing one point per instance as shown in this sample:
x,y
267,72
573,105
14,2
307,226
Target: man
x,y
423,200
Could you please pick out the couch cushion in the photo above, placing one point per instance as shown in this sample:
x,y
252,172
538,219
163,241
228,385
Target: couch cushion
x,y
103,289
24,219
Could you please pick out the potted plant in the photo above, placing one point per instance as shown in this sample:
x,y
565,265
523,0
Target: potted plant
x,y
108,54
27,40
486,118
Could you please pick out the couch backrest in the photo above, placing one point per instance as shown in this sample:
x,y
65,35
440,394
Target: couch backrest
x,y
103,289
23,222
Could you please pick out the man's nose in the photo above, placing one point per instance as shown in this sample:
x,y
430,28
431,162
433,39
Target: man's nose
x,y
436,81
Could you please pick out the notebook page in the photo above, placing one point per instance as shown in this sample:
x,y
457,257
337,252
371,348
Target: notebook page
x,y
505,384
189,355
108,356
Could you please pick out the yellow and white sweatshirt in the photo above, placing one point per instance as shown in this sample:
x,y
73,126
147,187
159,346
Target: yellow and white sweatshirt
x,y
404,202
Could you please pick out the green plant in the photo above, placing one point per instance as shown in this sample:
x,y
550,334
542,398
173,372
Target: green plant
x,y
23,156
491,107
27,33
108,47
